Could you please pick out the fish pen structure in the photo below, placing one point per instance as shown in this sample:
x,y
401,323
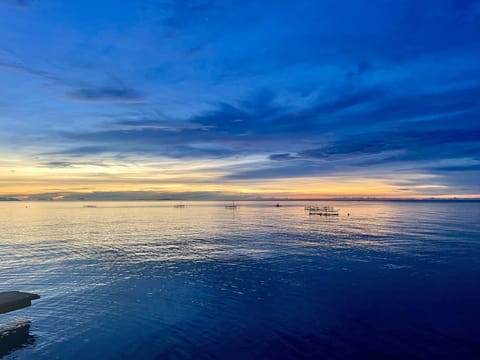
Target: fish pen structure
x,y
323,210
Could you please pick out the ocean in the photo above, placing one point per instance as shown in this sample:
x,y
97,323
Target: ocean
x,y
146,280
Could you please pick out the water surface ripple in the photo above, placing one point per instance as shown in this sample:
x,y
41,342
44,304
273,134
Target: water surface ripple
x,y
145,280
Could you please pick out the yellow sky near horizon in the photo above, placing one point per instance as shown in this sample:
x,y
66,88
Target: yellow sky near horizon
x,y
171,177
27,176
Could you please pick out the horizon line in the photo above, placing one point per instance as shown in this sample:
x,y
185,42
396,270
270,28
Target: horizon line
x,y
463,199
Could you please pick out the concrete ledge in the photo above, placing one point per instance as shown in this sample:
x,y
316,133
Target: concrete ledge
x,y
15,336
15,300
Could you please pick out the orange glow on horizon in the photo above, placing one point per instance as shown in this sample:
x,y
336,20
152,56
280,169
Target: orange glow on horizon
x,y
169,177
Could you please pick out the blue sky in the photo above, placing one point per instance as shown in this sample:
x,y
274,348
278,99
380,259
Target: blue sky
x,y
260,98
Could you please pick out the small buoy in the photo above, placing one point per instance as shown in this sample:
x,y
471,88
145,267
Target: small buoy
x,y
348,214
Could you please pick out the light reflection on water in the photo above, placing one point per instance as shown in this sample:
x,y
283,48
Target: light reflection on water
x,y
147,280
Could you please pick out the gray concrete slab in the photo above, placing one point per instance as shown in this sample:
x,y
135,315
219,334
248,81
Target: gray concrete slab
x,y
15,300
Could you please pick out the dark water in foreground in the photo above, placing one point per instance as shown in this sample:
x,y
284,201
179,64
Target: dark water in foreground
x,y
395,280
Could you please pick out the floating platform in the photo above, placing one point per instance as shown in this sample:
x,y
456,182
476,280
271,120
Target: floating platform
x,y
322,211
232,206
15,300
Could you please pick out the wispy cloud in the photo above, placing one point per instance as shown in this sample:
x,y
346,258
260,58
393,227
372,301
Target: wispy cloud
x,y
19,67
107,94
260,125
138,195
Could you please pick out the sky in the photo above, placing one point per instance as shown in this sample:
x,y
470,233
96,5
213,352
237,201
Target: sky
x,y
207,99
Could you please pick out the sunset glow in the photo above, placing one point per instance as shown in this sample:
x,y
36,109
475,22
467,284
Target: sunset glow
x,y
159,103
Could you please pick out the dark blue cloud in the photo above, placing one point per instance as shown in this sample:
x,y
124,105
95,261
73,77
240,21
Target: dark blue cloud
x,y
260,124
281,157
412,145
17,3
107,93
292,169
458,168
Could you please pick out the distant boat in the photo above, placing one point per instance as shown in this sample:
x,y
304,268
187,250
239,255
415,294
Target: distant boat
x,y
89,206
232,206
323,210
179,205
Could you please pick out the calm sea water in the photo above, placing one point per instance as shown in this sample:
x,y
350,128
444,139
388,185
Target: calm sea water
x,y
145,280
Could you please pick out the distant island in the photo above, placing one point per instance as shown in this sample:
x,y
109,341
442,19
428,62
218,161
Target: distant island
x,y
8,199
